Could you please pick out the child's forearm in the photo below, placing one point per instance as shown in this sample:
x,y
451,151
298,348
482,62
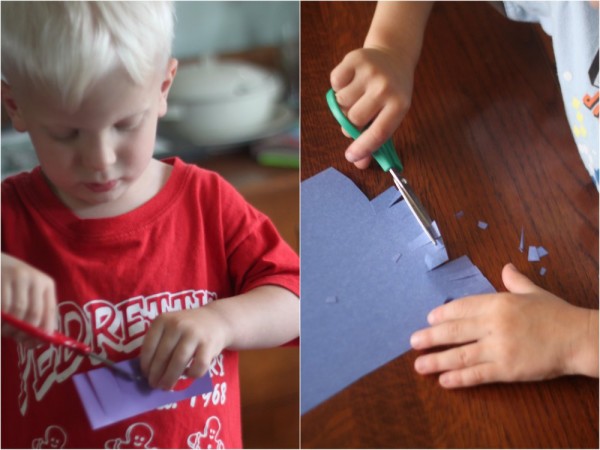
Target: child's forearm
x,y
266,316
400,26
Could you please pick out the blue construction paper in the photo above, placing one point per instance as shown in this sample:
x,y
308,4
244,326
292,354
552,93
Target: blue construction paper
x,y
459,214
372,257
108,397
481,224
533,254
541,251
543,271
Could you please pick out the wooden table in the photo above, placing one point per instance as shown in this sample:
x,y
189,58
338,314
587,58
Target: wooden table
x,y
486,134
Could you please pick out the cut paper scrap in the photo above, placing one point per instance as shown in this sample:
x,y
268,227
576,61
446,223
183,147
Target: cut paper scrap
x,y
349,249
541,251
481,224
533,254
522,241
108,397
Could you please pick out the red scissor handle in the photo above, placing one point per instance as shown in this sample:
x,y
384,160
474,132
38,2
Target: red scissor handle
x,y
55,338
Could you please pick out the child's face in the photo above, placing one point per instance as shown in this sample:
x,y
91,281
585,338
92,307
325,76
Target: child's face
x,y
101,153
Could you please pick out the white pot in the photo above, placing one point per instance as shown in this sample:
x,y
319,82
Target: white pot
x,y
217,101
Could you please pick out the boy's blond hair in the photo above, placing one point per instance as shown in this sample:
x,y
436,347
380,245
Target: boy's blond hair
x,y
65,47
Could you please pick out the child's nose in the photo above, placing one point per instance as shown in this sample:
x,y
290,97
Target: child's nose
x,y
100,153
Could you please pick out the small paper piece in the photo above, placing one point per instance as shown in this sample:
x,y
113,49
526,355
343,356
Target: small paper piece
x,y
522,241
543,271
541,251
533,254
481,224
348,245
108,397
436,256
459,214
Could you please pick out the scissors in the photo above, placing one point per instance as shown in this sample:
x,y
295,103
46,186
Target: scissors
x,y
388,160
57,338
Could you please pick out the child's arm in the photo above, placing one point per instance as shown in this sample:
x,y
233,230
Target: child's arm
x,y
374,83
266,316
29,295
526,334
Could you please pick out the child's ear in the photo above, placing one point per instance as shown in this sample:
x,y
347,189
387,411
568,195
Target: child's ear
x,y
13,111
166,85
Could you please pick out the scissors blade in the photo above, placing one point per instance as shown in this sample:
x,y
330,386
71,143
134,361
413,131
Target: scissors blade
x,y
415,205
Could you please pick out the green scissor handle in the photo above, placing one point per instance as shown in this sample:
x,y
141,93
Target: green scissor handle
x,y
385,155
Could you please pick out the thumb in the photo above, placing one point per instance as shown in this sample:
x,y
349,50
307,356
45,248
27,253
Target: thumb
x,y
516,282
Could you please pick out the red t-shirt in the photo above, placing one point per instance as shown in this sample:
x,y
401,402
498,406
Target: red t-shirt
x,y
195,242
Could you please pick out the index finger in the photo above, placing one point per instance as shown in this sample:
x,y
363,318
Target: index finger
x,y
376,135
459,309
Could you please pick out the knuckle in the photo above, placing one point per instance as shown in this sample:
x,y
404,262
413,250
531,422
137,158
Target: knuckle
x,y
464,356
400,104
453,330
476,376
357,117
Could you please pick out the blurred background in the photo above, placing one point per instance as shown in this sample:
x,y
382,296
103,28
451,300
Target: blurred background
x,y
233,108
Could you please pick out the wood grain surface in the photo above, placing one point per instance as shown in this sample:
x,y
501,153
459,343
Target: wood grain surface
x,y
486,134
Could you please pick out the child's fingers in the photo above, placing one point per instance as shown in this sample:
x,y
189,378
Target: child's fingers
x,y
459,309
20,298
364,111
447,333
49,319
150,344
451,359
342,74
36,302
160,360
470,376
363,163
349,95
180,358
201,362
516,282
375,136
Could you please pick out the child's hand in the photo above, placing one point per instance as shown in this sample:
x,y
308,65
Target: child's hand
x,y
175,338
373,86
27,294
526,334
